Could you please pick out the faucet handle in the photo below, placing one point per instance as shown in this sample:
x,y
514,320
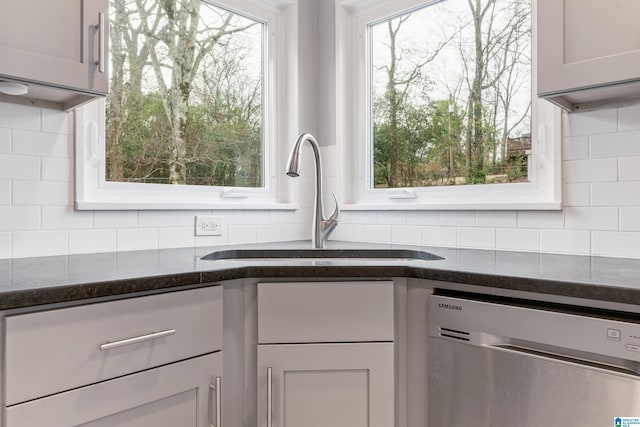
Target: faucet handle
x,y
335,215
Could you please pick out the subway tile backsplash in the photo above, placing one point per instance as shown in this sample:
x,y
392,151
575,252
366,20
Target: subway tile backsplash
x,y
601,185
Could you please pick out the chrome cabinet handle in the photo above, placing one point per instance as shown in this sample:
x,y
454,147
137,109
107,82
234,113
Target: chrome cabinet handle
x,y
135,340
100,28
218,393
269,399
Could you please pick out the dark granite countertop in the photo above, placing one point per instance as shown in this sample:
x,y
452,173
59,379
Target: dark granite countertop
x,y
34,281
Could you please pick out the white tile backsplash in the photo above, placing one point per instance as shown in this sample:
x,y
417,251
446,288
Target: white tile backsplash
x,y
116,219
406,235
593,122
615,145
57,169
176,237
39,243
16,218
5,245
518,239
615,193
5,140
601,198
591,218
42,193
507,219
5,192
565,241
440,236
377,233
616,244
148,219
591,170
19,167
628,168
20,117
630,219
540,219
477,237
575,148
42,144
65,218
135,239
92,241
576,194
457,218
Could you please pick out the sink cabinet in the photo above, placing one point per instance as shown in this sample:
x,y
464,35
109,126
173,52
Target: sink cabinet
x,y
55,44
141,362
588,52
326,354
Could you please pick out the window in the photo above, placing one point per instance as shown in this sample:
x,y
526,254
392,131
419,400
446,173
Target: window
x,y
445,117
191,119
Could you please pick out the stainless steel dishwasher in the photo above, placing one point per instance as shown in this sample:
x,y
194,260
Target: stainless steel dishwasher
x,y
503,362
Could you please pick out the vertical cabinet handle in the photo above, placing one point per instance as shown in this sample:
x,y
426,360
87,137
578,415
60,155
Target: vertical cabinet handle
x,y
269,398
217,392
101,30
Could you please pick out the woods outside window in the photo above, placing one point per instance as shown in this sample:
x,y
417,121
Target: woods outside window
x,y
191,111
448,116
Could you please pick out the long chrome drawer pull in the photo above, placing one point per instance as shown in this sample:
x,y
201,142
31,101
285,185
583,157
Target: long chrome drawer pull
x,y
101,48
269,398
218,392
135,340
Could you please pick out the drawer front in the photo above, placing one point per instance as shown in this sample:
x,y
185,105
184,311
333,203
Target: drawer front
x,y
56,350
321,312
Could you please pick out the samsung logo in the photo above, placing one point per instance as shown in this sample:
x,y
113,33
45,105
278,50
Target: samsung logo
x,y
449,306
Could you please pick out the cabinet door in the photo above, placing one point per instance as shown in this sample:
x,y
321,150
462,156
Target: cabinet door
x,y
54,42
586,44
180,394
320,385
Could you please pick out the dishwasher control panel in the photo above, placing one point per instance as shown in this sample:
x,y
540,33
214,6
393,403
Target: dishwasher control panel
x,y
487,323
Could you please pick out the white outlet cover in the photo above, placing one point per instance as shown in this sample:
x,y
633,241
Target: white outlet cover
x,y
209,225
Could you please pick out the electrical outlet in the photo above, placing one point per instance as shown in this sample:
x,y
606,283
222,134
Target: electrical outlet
x,y
208,226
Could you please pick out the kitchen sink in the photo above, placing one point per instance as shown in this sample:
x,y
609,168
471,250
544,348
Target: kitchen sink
x,y
390,254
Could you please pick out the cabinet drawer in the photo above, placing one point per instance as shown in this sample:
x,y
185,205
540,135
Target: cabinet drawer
x,y
56,350
320,312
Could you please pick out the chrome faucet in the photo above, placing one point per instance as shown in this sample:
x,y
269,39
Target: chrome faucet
x,y
321,227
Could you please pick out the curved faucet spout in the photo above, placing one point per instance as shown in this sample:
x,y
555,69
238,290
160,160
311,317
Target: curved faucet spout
x,y
321,227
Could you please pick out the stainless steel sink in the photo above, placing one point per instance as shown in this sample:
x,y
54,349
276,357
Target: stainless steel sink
x,y
389,254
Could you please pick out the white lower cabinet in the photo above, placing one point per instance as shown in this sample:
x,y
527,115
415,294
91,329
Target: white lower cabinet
x,y
325,354
180,394
319,385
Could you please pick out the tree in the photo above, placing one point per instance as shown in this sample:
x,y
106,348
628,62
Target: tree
x,y
404,71
158,118
497,38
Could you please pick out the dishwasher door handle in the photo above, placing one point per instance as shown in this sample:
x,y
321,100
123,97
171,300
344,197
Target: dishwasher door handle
x,y
566,359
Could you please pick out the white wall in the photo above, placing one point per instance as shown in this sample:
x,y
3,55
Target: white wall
x,y
601,194
601,170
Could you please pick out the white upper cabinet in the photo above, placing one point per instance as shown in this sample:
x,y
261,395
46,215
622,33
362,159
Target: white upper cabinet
x,y
588,52
58,48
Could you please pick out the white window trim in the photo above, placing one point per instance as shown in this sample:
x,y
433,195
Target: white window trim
x,y
543,192
93,192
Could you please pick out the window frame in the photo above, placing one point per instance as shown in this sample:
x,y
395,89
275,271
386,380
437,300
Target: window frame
x,y
542,192
94,192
